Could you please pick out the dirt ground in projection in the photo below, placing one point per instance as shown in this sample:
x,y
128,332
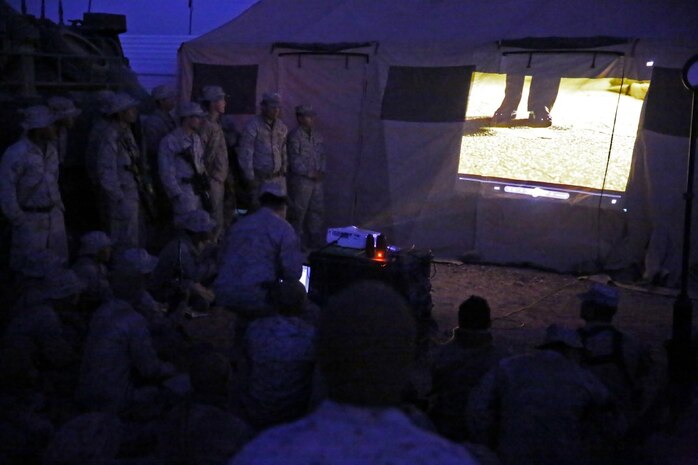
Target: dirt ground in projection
x,y
573,151
524,302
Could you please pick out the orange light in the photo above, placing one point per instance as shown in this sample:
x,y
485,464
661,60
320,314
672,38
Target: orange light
x,y
380,255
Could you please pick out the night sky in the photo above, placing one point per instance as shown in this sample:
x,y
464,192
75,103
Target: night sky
x,y
172,16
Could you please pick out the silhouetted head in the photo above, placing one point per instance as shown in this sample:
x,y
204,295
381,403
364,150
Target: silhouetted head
x,y
474,313
289,297
599,303
366,343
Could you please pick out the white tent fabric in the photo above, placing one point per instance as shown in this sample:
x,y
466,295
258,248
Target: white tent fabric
x,y
399,174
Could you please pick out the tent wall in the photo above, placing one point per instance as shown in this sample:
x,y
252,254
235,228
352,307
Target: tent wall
x,y
335,82
398,174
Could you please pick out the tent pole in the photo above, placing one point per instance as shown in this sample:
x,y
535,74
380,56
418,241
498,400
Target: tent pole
x,y
681,356
191,13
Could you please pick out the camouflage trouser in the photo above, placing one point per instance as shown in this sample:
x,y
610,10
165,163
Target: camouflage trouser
x,y
124,220
217,192
39,231
306,210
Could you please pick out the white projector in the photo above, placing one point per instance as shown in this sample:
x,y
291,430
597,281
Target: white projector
x,y
350,236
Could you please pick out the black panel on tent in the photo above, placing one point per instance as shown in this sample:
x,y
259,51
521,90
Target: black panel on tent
x,y
668,108
430,95
239,82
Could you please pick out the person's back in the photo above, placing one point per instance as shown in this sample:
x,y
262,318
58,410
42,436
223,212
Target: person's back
x,y
459,364
352,435
540,408
201,430
118,346
618,359
259,249
457,367
281,355
34,339
365,351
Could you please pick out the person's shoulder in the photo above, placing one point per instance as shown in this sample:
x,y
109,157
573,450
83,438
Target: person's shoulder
x,y
15,150
110,130
176,134
254,123
295,327
295,132
263,325
423,447
446,350
120,311
282,445
206,128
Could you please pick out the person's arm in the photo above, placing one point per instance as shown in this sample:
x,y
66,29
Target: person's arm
x,y
321,158
284,154
10,173
168,173
246,152
296,164
107,168
218,168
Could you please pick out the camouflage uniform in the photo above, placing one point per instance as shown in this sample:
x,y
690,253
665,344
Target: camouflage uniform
x,y
199,433
36,336
99,125
118,345
117,159
281,355
62,144
305,156
337,433
94,140
180,264
90,270
155,127
35,339
177,169
31,200
456,368
262,151
216,162
541,408
619,360
95,275
64,108
259,249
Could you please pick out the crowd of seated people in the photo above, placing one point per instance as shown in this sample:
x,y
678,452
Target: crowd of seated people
x,y
97,365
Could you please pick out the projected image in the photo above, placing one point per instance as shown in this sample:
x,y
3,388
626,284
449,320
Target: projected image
x,y
564,140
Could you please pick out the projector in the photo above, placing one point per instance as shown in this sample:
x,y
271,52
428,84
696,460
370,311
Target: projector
x,y
350,236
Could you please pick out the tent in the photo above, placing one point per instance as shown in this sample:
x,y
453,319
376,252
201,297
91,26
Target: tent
x,y
391,83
